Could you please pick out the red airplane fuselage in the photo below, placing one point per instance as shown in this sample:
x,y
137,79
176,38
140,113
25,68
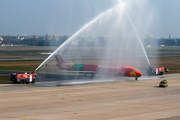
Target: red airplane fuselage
x,y
97,69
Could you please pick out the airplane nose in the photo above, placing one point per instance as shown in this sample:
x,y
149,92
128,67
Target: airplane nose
x,y
138,73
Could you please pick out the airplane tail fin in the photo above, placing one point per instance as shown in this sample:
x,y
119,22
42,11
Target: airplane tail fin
x,y
59,59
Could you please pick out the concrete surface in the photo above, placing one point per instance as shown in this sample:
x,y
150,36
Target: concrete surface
x,y
135,100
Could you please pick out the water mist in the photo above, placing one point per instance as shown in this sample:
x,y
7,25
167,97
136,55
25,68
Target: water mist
x,y
112,38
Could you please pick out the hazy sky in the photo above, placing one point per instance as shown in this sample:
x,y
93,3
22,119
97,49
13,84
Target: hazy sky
x,y
68,16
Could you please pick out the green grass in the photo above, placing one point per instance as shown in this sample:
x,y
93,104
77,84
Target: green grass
x,y
20,65
20,60
19,68
5,79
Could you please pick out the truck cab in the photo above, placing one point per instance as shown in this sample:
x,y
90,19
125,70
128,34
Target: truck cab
x,y
23,78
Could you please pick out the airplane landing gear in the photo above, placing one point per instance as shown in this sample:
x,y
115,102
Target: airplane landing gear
x,y
89,75
92,75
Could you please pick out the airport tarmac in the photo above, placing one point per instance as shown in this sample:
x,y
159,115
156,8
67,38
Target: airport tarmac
x,y
116,100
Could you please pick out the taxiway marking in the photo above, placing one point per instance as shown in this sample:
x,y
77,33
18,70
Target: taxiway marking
x,y
2,90
29,119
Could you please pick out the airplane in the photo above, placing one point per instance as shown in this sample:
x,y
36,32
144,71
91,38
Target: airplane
x,y
97,69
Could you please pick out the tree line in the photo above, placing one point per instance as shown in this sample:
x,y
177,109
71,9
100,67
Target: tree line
x,y
100,41
35,41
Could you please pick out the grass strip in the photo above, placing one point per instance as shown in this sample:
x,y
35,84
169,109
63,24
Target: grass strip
x,y
19,68
5,79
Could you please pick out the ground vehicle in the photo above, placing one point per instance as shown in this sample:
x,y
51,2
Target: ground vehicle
x,y
23,78
163,83
156,71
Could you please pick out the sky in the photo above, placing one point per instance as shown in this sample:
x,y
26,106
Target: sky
x,y
59,17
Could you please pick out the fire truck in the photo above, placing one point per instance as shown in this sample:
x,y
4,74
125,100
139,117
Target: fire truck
x,y
157,71
23,78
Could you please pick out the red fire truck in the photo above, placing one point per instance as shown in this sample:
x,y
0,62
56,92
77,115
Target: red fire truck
x,y
23,78
157,71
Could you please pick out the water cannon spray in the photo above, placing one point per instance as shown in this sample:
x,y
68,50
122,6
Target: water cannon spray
x,y
125,22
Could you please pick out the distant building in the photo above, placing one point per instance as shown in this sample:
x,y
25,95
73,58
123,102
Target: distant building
x,y
14,37
169,36
1,39
21,37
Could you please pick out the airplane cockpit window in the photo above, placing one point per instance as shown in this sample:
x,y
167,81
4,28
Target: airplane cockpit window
x,y
134,70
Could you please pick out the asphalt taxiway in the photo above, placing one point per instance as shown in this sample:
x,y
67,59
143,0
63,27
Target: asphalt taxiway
x,y
75,57
115,100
